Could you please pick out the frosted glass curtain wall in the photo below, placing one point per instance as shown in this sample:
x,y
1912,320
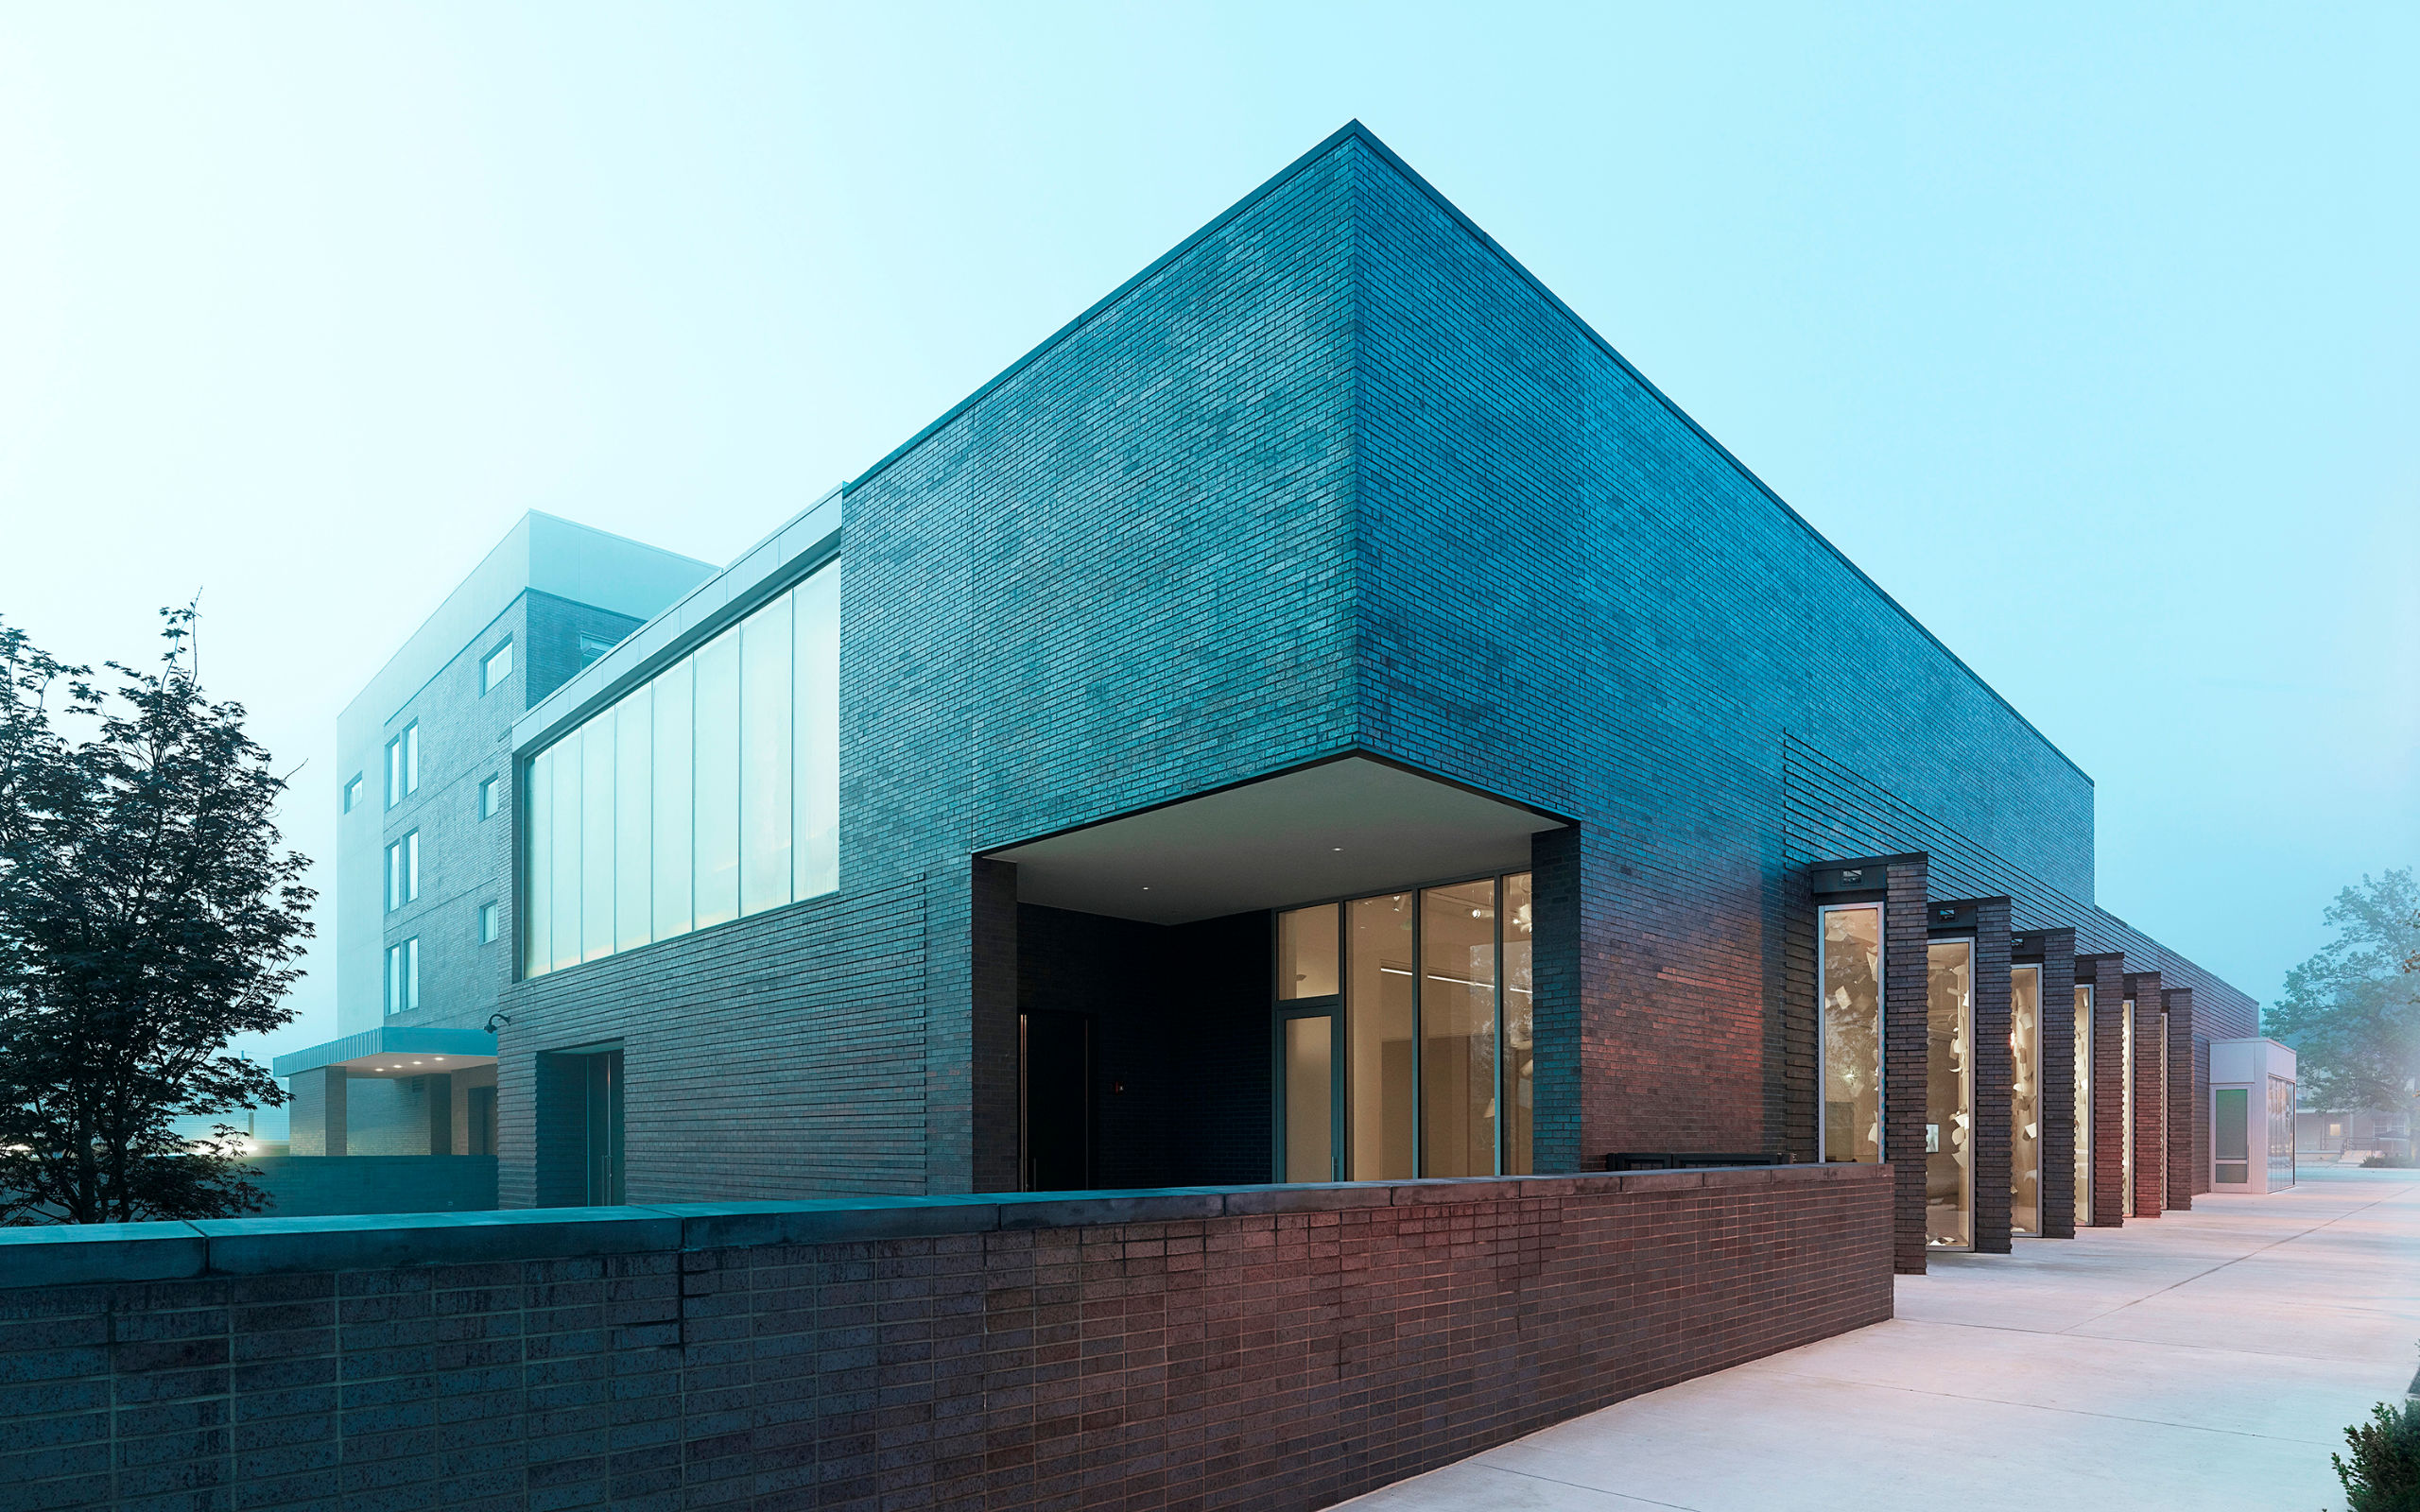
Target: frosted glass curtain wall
x,y
2025,1099
1850,964
709,793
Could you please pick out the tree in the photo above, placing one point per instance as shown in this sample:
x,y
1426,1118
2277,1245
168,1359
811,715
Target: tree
x,y
147,916
2352,1012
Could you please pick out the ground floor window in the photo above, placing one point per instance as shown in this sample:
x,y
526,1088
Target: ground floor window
x,y
1404,1034
2025,1099
2281,1133
1849,964
2231,1135
2084,1107
2126,1107
1949,1094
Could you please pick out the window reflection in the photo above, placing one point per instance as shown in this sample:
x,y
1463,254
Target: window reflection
x,y
1458,1028
1378,1018
2084,1107
1520,1050
1307,953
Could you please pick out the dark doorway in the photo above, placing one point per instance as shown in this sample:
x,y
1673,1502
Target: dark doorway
x,y
603,1118
480,1107
1055,1100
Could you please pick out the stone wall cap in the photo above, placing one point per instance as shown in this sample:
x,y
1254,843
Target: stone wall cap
x,y
74,1253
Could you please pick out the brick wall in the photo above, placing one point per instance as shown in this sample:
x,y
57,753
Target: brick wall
x,y
1286,1348
2056,950
2151,1097
2107,974
2184,1100
1905,1035
1993,1073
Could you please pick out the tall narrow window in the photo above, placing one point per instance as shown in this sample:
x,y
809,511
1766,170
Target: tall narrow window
x,y
491,795
2025,1099
597,840
494,667
537,871
716,880
2126,1103
2281,1133
412,757
403,871
2231,1136
765,716
2083,1106
674,798
1949,1094
815,748
352,792
403,976
395,771
633,821
1850,967
490,920
1520,1041
1458,1058
564,862
1382,1076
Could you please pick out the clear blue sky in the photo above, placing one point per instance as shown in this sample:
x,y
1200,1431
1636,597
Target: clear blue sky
x,y
2088,332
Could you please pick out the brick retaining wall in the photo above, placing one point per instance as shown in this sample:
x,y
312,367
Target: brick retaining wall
x,y
1275,1346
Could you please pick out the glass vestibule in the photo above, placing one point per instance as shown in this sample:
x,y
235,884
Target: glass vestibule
x,y
1849,965
2025,1099
1404,1028
1949,1094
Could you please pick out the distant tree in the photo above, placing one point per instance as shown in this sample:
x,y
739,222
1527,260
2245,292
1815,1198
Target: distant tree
x,y
147,916
2352,1012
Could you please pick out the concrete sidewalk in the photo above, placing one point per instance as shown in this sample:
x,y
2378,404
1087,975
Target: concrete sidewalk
x,y
2207,1360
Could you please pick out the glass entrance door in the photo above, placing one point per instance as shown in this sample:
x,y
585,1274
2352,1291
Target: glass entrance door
x,y
1306,1096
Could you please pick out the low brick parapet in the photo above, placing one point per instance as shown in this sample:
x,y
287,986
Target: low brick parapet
x,y
1283,1347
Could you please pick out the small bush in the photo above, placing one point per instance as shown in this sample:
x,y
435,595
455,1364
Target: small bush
x,y
2384,1473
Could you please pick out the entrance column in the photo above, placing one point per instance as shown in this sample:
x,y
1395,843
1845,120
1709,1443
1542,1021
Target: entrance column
x,y
2054,950
2106,976
1905,1035
2150,1095
1994,1075
2185,1163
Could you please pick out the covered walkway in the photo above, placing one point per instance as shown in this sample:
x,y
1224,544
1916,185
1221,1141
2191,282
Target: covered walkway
x,y
2208,1359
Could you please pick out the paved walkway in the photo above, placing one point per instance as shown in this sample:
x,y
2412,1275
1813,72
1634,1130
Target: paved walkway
x,y
2208,1360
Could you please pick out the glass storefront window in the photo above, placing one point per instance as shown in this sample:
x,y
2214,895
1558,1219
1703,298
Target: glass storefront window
x,y
1382,1079
1436,1071
1458,1029
2084,1107
709,793
1520,1041
1309,1092
2025,1099
1307,953
2126,1105
2231,1136
1949,1094
1850,965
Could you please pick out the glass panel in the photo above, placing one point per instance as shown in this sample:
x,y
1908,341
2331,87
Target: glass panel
x,y
2281,1133
2025,1099
816,747
1307,953
1851,968
2084,1107
671,693
718,780
2231,1134
566,851
1949,1094
2126,1107
538,867
596,839
765,757
633,833
1520,1066
1310,1080
1458,1029
1378,992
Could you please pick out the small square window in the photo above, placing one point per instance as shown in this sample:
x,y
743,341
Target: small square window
x,y
592,647
352,792
496,668
489,796
491,920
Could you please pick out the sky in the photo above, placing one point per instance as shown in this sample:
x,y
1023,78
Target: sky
x,y
2087,331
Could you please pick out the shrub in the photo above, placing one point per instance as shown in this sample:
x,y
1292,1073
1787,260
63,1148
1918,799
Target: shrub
x,y
2384,1473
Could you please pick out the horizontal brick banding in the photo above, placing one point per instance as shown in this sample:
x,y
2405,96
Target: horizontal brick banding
x,y
1282,1348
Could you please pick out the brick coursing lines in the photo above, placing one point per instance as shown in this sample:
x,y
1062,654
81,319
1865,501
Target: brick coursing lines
x,y
2107,974
2201,1114
2058,1083
2185,1099
1288,1359
1993,1075
2151,1097
993,954
1904,1054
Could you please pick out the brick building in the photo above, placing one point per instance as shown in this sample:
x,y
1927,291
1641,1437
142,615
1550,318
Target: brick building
x,y
1321,715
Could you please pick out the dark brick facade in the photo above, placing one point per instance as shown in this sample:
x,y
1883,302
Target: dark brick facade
x,y
1282,1348
1906,1033
1336,475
